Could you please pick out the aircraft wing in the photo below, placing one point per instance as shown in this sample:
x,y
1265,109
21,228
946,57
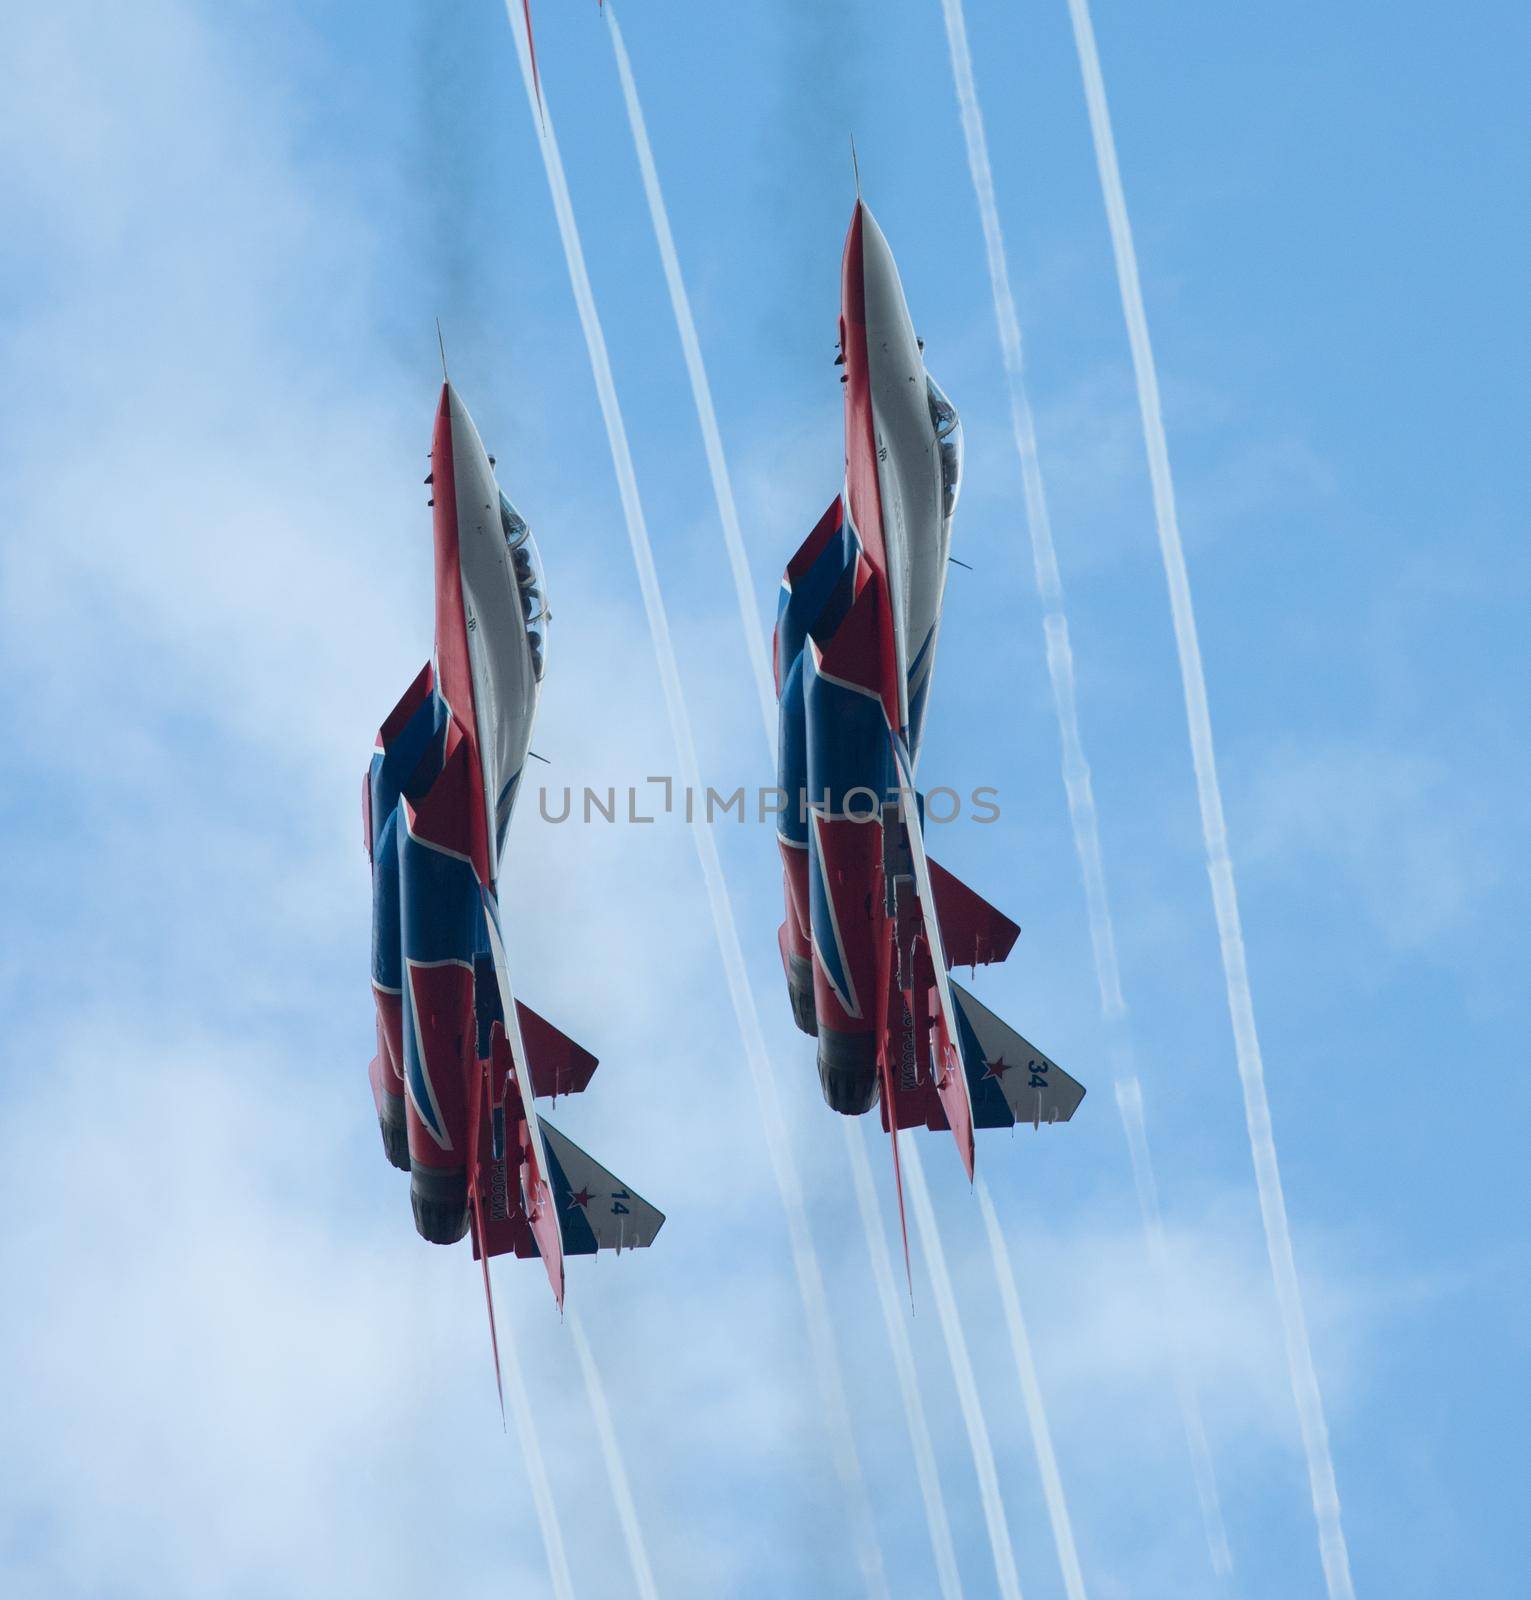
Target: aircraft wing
x,y
973,931
556,1063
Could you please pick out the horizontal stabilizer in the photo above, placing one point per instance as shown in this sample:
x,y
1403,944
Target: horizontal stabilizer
x,y
974,932
597,1212
1011,1081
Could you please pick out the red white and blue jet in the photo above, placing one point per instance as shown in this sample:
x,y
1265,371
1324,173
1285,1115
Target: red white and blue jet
x,y
460,1061
873,924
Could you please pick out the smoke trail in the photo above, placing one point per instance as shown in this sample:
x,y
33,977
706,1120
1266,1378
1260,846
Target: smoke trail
x,y
783,1163
1278,1237
722,488
903,1361
1076,769
962,1370
1036,1412
536,1470
701,391
616,1471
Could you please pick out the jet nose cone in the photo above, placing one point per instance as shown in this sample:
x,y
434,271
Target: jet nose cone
x,y
862,238
871,234
882,292
464,429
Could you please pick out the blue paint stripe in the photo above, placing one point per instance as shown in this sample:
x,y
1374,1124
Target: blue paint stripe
x,y
819,599
410,763
387,936
990,1108
847,738
792,756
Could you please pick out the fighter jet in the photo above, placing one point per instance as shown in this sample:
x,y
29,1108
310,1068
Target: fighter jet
x,y
460,1061
872,923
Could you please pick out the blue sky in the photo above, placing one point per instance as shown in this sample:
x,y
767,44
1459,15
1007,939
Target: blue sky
x,y
234,1369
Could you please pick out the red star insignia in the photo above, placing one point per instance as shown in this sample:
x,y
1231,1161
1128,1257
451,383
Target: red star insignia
x,y
581,1199
997,1068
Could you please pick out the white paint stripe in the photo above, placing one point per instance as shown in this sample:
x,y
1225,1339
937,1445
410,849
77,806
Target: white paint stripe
x,y
616,1471
1278,1238
1036,1412
537,1472
1076,770
701,390
962,1371
903,1363
783,1163
841,683
898,1337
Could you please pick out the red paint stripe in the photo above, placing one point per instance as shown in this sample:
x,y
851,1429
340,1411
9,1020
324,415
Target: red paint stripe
x,y
455,673
862,487
410,702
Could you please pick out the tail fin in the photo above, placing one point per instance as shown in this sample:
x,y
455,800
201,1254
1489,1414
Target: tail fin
x,y
537,1200
477,1132
946,1059
1010,1080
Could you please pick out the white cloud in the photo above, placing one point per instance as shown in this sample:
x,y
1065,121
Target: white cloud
x,y
236,1369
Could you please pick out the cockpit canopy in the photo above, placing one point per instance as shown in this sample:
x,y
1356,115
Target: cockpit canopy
x,y
948,426
527,563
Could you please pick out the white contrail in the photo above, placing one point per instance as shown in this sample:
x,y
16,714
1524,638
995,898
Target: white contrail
x,y
616,1471
903,1361
1036,1412
728,516
1129,1091
1129,1102
962,1370
1076,769
536,1470
783,1163
1278,1237
701,390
